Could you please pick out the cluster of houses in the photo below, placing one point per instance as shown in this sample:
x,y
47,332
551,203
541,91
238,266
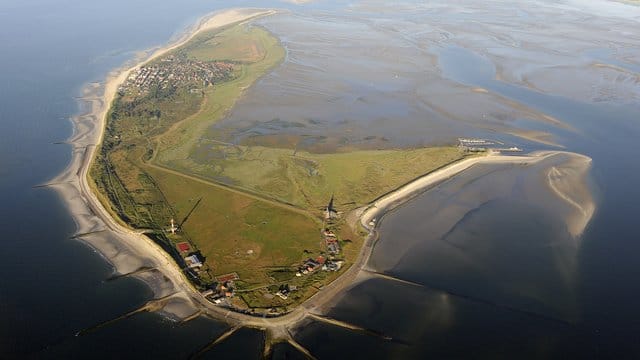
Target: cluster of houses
x,y
284,290
191,258
223,290
320,263
220,293
331,241
176,71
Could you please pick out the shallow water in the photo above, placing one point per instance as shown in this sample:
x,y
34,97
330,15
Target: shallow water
x,y
429,322
497,234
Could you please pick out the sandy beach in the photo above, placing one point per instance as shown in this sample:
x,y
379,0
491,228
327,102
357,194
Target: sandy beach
x,y
131,252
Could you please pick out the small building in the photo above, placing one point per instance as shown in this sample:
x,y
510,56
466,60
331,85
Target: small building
x,y
193,261
333,247
332,265
311,264
329,234
183,247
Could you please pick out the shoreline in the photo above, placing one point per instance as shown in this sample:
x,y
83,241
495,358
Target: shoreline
x,y
131,253
394,198
132,250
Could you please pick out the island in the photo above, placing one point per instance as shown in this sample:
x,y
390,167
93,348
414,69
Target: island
x,y
261,225
266,232
256,227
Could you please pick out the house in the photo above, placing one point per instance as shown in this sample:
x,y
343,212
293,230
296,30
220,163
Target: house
x,y
183,247
332,265
193,261
311,264
329,234
333,247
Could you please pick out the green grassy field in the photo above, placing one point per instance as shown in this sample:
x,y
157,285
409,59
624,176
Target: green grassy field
x,y
237,233
238,43
308,180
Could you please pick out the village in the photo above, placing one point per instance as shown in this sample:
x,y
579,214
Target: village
x,y
174,72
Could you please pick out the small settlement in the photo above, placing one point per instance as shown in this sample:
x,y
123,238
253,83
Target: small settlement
x,y
331,243
174,71
312,265
224,289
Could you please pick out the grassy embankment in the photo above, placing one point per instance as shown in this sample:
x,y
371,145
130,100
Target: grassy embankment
x,y
141,175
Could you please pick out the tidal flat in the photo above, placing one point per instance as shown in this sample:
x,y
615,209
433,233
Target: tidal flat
x,y
385,77
474,227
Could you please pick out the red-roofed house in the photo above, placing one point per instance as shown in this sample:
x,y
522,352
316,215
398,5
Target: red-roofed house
x,y
184,247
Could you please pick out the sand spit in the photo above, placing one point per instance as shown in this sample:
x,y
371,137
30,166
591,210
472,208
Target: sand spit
x,y
567,182
128,251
